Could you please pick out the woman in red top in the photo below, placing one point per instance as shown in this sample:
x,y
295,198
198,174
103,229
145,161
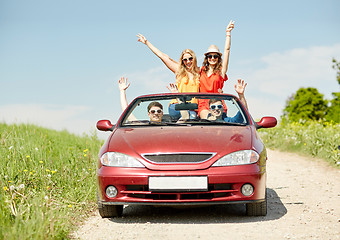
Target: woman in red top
x,y
213,72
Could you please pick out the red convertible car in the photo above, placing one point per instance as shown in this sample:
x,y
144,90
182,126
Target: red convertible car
x,y
158,155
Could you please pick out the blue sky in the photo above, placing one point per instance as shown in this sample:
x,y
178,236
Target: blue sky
x,y
60,60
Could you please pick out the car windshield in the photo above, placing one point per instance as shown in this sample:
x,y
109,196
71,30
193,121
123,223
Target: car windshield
x,y
182,109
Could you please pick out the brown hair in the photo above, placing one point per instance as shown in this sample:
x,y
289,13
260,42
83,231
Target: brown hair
x,y
213,100
218,66
154,104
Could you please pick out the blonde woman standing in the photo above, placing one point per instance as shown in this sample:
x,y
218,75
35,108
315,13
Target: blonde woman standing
x,y
186,71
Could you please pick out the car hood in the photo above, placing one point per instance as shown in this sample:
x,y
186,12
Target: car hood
x,y
219,140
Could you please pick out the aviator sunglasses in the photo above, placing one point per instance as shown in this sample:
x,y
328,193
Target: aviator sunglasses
x,y
154,111
212,107
187,59
213,56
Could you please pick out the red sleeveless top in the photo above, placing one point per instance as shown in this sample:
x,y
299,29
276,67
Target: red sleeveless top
x,y
209,85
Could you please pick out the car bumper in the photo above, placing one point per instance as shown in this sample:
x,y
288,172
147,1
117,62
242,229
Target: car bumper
x,y
224,186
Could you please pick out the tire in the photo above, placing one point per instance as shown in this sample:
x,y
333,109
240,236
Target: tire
x,y
109,211
257,209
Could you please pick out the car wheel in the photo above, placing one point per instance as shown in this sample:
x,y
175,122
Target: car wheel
x,y
257,209
109,211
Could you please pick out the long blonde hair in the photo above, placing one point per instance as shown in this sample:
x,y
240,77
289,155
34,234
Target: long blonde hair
x,y
183,71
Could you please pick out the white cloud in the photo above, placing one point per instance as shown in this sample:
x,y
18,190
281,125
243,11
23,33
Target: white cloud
x,y
153,80
283,73
304,67
57,117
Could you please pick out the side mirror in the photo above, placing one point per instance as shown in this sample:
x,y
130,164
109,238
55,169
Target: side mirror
x,y
105,125
266,122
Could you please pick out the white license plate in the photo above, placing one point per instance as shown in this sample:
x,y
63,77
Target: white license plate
x,y
196,183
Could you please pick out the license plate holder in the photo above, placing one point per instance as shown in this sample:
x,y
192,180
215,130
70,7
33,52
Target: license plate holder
x,y
176,184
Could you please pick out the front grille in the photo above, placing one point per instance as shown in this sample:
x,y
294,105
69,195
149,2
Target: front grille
x,y
178,158
214,191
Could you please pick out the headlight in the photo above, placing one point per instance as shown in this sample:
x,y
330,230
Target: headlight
x,y
237,158
115,159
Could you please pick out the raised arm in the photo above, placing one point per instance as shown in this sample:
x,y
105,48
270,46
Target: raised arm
x,y
226,53
240,88
170,63
123,85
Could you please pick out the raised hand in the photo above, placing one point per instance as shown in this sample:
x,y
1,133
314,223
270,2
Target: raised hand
x,y
240,86
123,84
141,38
230,26
172,88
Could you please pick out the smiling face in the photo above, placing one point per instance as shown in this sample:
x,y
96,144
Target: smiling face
x,y
216,109
213,58
155,114
187,60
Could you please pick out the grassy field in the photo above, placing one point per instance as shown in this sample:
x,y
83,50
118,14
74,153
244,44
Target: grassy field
x,y
47,181
314,138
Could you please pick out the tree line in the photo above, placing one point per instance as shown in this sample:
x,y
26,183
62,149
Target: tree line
x,y
308,104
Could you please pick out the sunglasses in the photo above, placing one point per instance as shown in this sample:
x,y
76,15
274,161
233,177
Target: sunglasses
x,y
212,107
213,56
187,59
154,111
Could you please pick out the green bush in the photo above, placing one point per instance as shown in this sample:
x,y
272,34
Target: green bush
x,y
313,138
306,104
47,181
333,111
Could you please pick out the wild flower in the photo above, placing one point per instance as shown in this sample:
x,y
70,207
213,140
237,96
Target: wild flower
x,y
21,186
36,149
41,162
86,150
11,187
27,156
46,197
5,188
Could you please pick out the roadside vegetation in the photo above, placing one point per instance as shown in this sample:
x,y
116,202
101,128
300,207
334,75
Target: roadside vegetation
x,y
47,181
312,138
310,124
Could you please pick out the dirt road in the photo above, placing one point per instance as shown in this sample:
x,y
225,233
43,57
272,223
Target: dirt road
x,y
304,203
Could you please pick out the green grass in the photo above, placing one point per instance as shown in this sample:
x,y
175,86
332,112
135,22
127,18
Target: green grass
x,y
313,138
47,181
